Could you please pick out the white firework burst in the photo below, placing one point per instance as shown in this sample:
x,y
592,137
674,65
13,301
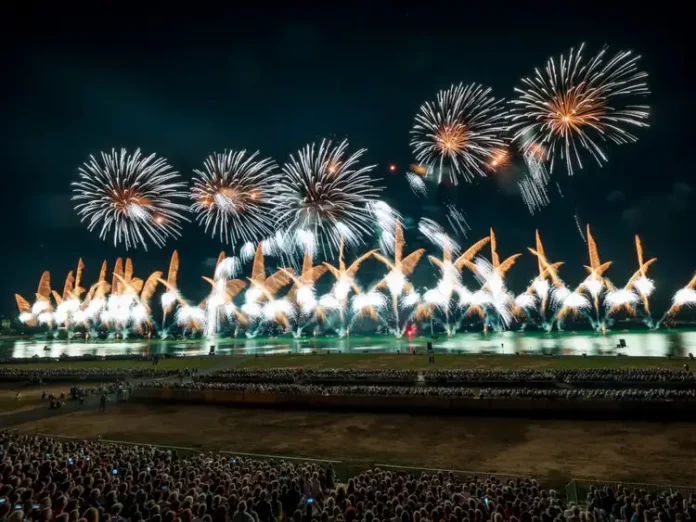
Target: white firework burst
x,y
134,196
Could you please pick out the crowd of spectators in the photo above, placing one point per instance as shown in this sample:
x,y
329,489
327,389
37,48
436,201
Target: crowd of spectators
x,y
655,394
301,375
434,377
642,375
44,480
107,373
457,376
453,377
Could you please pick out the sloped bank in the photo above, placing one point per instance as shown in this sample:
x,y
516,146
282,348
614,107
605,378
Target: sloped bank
x,y
542,408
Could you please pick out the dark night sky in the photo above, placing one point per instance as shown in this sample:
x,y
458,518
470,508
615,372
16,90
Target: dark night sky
x,y
79,82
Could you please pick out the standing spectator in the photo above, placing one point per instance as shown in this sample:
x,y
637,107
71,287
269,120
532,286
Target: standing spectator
x,y
263,508
241,515
276,506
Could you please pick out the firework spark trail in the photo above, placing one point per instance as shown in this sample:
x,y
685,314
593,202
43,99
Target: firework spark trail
x,y
387,219
457,220
279,311
417,184
370,304
636,291
171,296
493,293
449,282
223,290
191,318
640,283
303,293
574,303
578,225
436,234
595,282
547,272
263,289
345,281
123,304
399,268
133,195
574,105
533,186
620,298
685,297
533,194
232,196
327,194
460,132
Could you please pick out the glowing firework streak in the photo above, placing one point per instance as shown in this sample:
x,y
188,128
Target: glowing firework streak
x,y
370,303
191,318
457,221
386,219
573,105
434,232
262,288
417,184
132,195
399,268
533,194
594,283
223,291
574,304
621,298
345,281
303,292
685,297
541,286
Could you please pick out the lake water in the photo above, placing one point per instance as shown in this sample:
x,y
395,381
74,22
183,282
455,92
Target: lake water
x,y
678,343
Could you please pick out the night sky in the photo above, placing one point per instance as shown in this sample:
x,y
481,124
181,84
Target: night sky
x,y
77,82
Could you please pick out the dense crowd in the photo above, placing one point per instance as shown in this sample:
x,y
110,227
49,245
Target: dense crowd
x,y
643,375
656,394
294,375
43,480
434,377
47,374
447,377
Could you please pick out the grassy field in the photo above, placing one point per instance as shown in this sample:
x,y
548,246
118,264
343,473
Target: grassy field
x,y
175,362
552,450
405,361
396,361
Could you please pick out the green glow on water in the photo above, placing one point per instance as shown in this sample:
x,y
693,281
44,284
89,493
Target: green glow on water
x,y
658,343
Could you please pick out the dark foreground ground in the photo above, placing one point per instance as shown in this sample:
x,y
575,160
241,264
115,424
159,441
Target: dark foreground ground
x,y
552,450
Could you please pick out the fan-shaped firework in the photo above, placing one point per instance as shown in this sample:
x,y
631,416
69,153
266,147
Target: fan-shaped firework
x,y
133,195
324,194
459,133
232,196
573,105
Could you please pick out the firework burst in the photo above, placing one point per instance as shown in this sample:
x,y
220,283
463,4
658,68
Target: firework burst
x,y
460,133
326,194
133,195
574,105
232,196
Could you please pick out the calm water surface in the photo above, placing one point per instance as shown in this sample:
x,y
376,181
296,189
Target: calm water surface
x,y
638,343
